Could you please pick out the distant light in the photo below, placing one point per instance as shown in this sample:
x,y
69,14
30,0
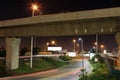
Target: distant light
x,y
54,48
94,47
80,39
74,40
102,46
95,43
72,54
47,43
105,51
53,42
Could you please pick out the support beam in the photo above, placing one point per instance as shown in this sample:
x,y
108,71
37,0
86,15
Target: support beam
x,y
12,52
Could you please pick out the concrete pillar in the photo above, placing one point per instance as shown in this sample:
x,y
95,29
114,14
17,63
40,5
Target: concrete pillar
x,y
12,52
117,37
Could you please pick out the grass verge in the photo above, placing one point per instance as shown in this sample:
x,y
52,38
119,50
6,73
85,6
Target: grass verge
x,y
39,64
100,72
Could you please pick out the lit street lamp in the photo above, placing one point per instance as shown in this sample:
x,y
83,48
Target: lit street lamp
x,y
34,7
96,46
83,70
102,47
47,45
96,43
74,41
80,39
53,42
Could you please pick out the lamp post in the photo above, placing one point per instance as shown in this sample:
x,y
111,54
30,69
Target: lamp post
x,y
83,70
34,7
53,42
47,46
96,47
74,41
96,43
80,39
102,47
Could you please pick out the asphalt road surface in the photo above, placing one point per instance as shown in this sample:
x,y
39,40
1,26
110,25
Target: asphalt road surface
x,y
69,72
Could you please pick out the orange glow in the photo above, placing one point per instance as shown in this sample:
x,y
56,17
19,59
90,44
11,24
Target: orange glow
x,y
34,6
47,43
102,46
53,42
74,40
95,43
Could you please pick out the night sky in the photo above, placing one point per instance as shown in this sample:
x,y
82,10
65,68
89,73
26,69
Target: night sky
x,y
66,42
12,9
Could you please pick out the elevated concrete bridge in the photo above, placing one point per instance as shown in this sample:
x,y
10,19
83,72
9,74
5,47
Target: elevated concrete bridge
x,y
101,21
72,23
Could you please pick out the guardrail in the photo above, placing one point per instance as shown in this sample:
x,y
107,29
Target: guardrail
x,y
35,56
110,66
112,71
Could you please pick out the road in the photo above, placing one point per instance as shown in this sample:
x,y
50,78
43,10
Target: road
x,y
69,72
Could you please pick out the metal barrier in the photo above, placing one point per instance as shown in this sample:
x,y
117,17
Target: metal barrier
x,y
112,71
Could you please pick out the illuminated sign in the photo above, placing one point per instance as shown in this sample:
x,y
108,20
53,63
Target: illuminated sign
x,y
72,54
54,48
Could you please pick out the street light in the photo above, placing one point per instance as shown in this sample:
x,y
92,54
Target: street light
x,y
96,43
34,7
47,45
80,39
74,41
83,70
102,47
53,42
96,46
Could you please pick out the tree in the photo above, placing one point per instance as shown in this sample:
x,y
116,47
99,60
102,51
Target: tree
x,y
36,50
23,51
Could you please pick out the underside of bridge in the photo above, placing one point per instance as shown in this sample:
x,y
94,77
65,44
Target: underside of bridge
x,y
64,28
78,23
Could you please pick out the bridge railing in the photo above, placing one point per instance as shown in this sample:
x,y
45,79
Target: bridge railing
x,y
111,69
